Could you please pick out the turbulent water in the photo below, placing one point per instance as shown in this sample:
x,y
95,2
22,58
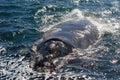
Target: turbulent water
x,y
22,23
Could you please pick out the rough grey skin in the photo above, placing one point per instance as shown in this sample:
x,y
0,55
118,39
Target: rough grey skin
x,y
59,41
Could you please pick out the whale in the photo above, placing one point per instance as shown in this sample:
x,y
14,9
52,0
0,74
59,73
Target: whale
x,y
59,42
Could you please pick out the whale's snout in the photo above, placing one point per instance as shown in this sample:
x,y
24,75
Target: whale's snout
x,y
41,63
45,54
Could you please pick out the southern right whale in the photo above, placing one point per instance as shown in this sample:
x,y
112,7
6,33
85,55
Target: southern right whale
x,y
60,40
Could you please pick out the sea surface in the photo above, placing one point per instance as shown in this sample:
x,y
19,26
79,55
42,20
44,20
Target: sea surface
x,y
22,22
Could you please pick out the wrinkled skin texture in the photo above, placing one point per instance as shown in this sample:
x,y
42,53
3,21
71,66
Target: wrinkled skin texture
x,y
48,51
59,41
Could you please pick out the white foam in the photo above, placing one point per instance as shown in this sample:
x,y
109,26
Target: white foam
x,y
76,14
114,61
115,5
103,25
76,2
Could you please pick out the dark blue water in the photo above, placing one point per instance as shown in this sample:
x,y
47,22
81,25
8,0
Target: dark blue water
x,y
22,20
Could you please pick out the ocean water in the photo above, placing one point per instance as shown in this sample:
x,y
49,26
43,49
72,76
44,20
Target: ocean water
x,y
22,22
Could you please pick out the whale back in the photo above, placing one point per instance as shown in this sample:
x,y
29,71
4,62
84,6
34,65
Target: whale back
x,y
78,34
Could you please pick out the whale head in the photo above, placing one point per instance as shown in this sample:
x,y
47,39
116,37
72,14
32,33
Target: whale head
x,y
46,52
